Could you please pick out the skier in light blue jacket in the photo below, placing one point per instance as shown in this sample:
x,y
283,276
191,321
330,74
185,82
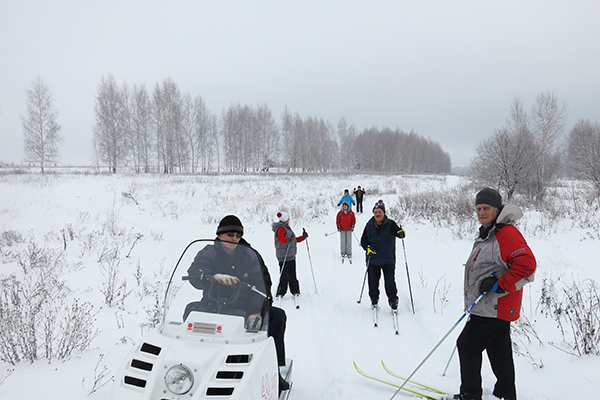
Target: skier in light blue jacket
x,y
348,199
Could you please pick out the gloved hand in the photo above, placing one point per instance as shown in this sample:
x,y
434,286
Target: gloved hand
x,y
226,280
370,250
490,284
304,233
352,228
401,233
339,229
253,322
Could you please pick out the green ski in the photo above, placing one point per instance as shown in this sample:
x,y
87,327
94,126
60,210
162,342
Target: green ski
x,y
423,395
413,382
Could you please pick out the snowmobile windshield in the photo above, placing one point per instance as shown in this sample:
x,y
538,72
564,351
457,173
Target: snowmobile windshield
x,y
218,277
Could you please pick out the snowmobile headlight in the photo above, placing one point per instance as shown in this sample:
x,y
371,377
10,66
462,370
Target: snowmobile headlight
x,y
179,379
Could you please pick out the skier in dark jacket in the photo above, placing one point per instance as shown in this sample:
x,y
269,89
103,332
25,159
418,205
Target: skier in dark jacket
x,y
379,241
359,194
500,264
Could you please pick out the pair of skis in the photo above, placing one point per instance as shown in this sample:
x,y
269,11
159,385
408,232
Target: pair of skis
x,y
418,389
348,257
279,300
394,318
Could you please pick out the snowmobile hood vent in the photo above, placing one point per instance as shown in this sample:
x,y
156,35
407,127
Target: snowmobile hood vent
x,y
150,348
230,374
239,359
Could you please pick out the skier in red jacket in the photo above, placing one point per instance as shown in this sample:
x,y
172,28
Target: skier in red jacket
x,y
345,222
500,264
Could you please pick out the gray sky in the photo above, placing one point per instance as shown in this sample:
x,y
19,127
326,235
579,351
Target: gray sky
x,y
447,69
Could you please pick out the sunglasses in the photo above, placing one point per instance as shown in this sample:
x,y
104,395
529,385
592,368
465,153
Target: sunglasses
x,y
236,235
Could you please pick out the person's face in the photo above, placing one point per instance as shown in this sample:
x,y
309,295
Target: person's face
x,y
230,240
486,213
345,207
378,214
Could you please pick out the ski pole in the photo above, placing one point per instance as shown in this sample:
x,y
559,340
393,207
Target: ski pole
x,y
439,343
408,276
356,237
450,359
327,234
311,266
364,280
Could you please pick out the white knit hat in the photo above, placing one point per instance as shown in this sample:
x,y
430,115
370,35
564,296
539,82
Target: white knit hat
x,y
283,216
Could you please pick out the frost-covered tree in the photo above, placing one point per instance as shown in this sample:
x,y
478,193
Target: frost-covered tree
x,y
41,131
110,130
584,151
506,160
547,121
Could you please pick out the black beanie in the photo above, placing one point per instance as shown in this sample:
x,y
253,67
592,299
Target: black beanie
x,y
489,196
230,223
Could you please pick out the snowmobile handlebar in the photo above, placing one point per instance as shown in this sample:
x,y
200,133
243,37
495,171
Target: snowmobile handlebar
x,y
210,278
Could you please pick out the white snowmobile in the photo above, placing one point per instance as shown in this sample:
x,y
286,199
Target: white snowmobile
x,y
212,342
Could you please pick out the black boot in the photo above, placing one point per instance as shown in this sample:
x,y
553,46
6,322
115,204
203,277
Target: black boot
x,y
283,384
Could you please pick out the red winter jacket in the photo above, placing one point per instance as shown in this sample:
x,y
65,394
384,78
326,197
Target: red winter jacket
x,y
345,220
505,252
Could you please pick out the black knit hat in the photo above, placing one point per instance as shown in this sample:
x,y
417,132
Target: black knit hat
x,y
230,223
489,196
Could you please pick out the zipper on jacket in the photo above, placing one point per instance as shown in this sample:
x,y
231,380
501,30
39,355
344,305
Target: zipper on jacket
x,y
475,259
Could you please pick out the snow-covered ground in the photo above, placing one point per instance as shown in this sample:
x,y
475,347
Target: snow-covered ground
x,y
148,220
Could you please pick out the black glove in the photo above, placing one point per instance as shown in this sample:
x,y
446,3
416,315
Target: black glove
x,y
304,233
352,228
401,233
490,284
339,229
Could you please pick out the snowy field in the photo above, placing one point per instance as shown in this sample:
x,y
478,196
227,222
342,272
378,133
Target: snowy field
x,y
144,222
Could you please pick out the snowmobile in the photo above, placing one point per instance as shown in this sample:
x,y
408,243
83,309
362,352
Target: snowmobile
x,y
210,343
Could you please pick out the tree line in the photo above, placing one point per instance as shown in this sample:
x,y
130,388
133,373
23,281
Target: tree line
x,y
169,131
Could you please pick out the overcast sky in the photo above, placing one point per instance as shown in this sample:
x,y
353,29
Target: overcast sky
x,y
448,69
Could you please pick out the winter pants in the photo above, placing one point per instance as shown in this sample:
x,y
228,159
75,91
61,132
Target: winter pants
x,y
346,242
374,273
276,329
287,278
359,207
492,335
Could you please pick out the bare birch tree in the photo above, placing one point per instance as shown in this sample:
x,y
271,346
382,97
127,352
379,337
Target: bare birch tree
x,y
584,152
41,131
110,139
547,122
505,160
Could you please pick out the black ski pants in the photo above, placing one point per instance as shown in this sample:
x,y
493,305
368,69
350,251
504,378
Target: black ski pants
x,y
492,335
389,278
287,278
359,207
276,329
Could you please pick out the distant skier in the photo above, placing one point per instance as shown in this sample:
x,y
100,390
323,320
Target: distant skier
x,y
379,241
359,194
345,222
500,264
347,198
285,250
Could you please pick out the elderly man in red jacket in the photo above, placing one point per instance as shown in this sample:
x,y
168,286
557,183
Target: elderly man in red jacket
x,y
500,264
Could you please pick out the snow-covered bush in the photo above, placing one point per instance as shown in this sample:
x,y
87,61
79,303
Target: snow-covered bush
x,y
38,319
